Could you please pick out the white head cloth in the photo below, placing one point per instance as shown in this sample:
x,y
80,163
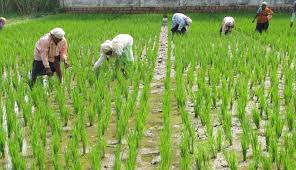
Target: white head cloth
x,y
58,33
106,46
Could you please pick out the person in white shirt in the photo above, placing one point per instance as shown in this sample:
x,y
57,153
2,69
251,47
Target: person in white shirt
x,y
227,25
119,48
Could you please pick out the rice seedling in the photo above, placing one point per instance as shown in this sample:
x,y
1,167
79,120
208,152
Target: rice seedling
x,y
290,117
202,159
2,142
273,148
227,126
266,162
256,118
245,146
232,160
219,140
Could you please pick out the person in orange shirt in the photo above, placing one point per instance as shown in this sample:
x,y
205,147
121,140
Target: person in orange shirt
x,y
264,14
48,52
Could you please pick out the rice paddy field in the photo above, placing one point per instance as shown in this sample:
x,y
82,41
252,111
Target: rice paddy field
x,y
198,101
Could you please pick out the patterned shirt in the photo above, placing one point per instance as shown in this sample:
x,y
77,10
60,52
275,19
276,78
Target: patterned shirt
x,y
264,16
179,19
45,50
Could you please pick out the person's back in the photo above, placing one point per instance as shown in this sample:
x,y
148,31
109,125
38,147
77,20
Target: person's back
x,y
180,23
227,25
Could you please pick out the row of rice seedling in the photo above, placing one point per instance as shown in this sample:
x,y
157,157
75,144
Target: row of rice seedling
x,y
83,102
241,83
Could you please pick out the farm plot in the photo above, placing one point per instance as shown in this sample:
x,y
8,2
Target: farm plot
x,y
91,119
198,101
238,102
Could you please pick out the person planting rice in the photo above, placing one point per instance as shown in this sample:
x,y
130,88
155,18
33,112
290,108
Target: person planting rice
x,y
227,25
49,51
119,47
2,22
264,15
180,23
293,14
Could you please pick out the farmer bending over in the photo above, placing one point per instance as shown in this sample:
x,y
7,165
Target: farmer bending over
x,y
48,52
180,23
119,47
293,14
227,25
2,22
264,14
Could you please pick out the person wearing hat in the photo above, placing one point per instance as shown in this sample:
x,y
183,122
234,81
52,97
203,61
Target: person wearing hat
x,y
49,51
180,23
119,47
2,22
293,14
227,25
264,15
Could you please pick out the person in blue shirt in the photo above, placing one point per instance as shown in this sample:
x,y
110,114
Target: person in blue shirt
x,y
180,23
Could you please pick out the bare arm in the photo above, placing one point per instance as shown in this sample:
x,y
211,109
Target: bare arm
x,y
99,62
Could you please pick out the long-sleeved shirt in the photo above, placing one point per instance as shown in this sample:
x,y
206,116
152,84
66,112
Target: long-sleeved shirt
x,y
122,48
46,49
179,19
264,16
226,23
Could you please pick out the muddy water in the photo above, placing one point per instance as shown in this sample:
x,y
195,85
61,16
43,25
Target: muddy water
x,y
175,117
149,145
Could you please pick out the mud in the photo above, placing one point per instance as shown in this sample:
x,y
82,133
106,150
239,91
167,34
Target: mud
x,y
149,145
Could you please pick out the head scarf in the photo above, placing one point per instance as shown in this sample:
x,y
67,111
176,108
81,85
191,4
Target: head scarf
x,y
58,33
3,19
188,21
106,47
264,3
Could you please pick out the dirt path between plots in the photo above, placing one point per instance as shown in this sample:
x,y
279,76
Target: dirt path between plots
x,y
149,145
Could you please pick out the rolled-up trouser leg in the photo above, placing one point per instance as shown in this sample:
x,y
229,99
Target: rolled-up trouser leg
x,y
57,66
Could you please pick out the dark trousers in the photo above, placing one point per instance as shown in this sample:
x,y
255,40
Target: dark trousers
x,y
226,31
262,27
175,30
39,69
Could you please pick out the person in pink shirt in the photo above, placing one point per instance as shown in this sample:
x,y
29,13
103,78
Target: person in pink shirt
x,y
50,50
